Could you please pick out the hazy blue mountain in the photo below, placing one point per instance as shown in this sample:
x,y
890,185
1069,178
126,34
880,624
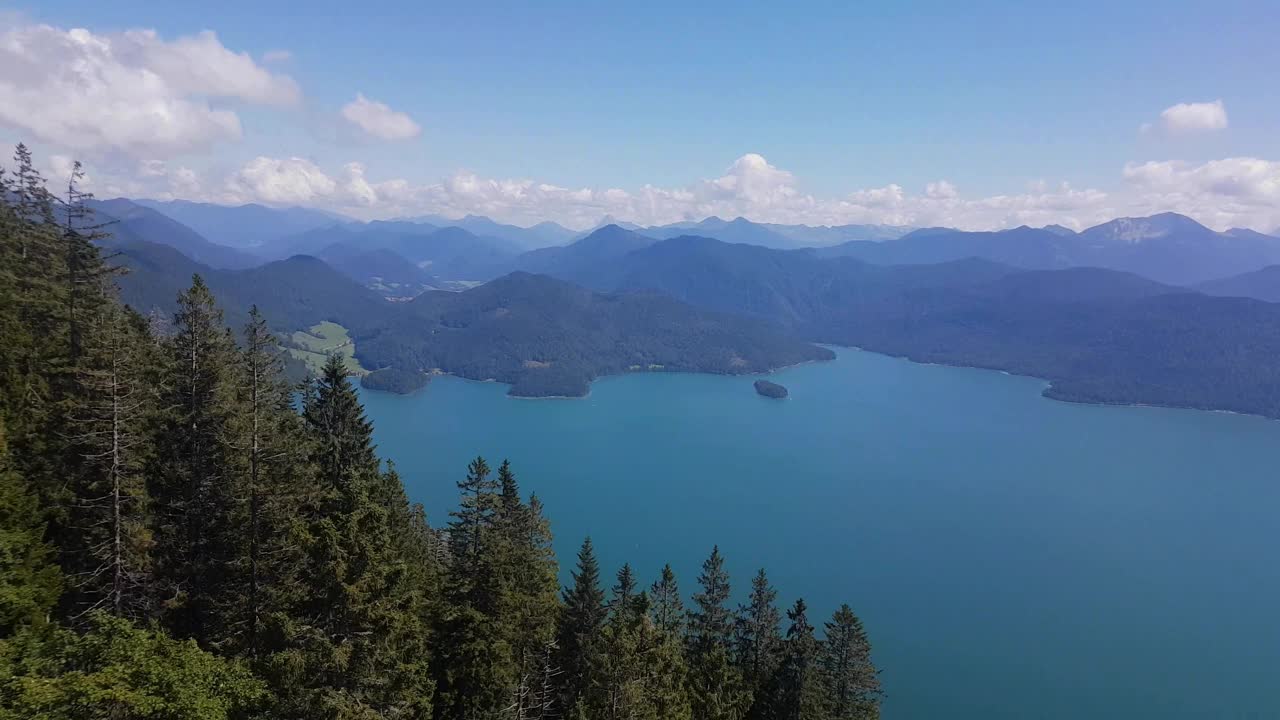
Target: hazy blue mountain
x,y
243,226
450,253
578,261
1023,247
1261,284
382,270
1169,248
131,221
544,234
293,294
741,230
824,235
608,220
789,287
738,230
1060,230
1175,249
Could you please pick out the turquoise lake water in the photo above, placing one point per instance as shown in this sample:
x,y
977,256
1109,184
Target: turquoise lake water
x,y
1011,556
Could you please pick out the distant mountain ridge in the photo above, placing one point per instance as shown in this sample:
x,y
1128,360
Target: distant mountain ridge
x,y
741,230
243,226
127,220
1168,248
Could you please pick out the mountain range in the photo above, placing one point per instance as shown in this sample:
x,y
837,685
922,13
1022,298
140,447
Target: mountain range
x,y
1145,323
1170,248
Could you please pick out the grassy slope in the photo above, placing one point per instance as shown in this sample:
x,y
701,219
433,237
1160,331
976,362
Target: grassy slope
x,y
321,340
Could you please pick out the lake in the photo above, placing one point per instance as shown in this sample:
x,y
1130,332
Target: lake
x,y
1011,556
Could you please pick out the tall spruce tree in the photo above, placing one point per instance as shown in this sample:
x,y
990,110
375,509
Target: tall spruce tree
x,y
530,603
797,690
194,474
357,645
758,641
271,448
853,683
665,605
477,670
108,553
578,635
716,690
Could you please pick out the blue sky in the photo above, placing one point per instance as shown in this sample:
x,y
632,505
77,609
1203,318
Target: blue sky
x,y
995,99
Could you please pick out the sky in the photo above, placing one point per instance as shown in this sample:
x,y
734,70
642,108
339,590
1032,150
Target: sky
x,y
977,115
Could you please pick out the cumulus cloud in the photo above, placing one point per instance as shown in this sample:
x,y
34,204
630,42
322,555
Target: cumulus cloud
x,y
283,181
941,190
1235,192
1193,117
379,120
130,92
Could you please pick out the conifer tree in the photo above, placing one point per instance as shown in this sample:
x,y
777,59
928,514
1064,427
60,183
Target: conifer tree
x,y
477,673
530,603
758,640
716,690
29,579
194,474
853,683
665,604
357,645
797,691
270,445
108,549
578,635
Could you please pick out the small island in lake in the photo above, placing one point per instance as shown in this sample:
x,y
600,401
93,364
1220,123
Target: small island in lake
x,y
772,390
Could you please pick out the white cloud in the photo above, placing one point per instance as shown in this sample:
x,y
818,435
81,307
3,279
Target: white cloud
x,y
132,92
282,181
1235,192
1192,117
941,190
379,120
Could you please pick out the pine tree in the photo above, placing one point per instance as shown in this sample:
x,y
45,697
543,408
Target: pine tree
x,y
716,690
578,635
666,607
853,683
193,481
758,640
357,644
797,691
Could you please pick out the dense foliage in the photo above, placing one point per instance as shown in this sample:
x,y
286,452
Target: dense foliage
x,y
186,536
